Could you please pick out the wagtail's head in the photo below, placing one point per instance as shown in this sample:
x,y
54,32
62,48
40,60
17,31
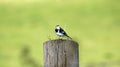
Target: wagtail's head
x,y
57,26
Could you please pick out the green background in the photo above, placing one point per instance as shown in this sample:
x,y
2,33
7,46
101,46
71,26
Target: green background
x,y
26,24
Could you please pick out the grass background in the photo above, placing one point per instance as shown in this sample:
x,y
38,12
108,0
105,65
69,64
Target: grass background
x,y
25,25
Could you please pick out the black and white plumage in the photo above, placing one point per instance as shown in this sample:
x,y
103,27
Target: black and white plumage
x,y
60,32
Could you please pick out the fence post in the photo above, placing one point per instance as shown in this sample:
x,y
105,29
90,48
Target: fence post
x,y
61,53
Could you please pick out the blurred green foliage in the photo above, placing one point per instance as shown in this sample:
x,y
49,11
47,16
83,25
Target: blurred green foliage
x,y
94,24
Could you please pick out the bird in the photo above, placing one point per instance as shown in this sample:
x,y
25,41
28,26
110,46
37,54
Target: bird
x,y
60,32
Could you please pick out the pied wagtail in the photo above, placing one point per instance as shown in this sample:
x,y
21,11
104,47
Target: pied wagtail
x,y
60,32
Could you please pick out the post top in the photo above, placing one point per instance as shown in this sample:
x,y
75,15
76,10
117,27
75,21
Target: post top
x,y
60,40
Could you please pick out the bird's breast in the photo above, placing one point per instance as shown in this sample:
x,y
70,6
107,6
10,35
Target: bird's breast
x,y
59,34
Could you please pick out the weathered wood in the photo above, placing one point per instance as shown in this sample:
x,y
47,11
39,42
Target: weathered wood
x,y
61,53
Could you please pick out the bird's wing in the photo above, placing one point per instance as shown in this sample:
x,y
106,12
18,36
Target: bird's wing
x,y
62,31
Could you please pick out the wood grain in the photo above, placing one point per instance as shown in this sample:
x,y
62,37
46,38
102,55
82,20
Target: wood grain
x,y
61,53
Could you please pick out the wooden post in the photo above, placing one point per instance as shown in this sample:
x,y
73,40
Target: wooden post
x,y
61,53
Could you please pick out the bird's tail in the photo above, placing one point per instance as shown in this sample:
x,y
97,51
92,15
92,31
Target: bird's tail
x,y
69,37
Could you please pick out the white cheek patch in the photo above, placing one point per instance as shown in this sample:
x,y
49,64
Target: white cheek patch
x,y
58,27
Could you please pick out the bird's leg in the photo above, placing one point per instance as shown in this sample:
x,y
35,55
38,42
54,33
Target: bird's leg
x,y
60,37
